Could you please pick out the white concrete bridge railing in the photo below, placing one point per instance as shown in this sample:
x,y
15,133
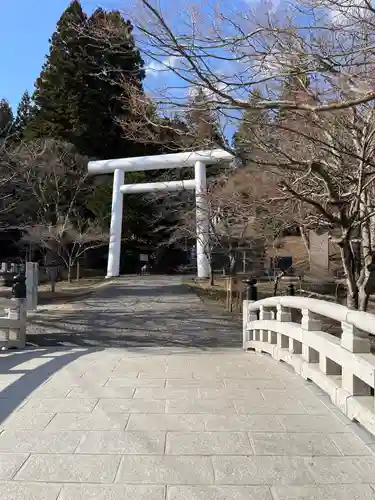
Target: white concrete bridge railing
x,y
342,367
13,326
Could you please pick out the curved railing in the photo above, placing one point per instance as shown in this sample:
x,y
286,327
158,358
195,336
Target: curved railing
x,y
341,365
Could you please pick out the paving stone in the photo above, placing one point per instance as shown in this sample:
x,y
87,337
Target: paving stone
x,y
135,382
218,493
315,407
178,374
268,423
101,380
309,423
39,441
165,470
208,374
29,491
122,442
181,393
166,422
7,379
200,406
181,383
31,364
111,492
132,405
349,444
10,463
261,470
331,470
286,407
101,392
362,433
329,492
95,421
292,444
366,467
208,443
69,468
60,405
251,384
252,395
66,379
51,390
26,420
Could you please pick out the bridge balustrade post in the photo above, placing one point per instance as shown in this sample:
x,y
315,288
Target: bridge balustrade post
x,y
353,339
283,314
265,313
310,321
18,311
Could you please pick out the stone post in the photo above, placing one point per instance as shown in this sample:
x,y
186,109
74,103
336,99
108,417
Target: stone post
x,y
251,289
310,321
353,339
18,311
32,280
265,314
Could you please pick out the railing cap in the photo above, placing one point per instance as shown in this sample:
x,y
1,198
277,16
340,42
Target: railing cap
x,y
362,320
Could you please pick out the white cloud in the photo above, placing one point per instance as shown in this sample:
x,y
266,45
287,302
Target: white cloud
x,y
154,68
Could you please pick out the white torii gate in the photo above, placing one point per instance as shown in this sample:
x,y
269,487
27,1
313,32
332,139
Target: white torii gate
x,y
197,159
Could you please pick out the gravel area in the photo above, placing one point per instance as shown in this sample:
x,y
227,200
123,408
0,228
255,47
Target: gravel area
x,y
145,311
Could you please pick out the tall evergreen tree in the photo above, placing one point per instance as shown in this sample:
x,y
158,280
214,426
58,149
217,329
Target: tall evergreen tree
x,y
112,59
203,124
24,116
79,95
6,119
59,86
294,88
245,139
203,127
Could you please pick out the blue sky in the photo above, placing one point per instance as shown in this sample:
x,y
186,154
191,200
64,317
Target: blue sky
x,y
25,28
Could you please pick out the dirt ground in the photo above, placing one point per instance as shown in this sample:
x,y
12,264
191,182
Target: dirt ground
x,y
65,292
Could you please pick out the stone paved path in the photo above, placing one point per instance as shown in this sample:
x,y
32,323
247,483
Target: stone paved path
x,y
187,417
136,312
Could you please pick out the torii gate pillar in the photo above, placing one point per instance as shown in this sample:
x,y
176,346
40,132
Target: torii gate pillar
x,y
114,250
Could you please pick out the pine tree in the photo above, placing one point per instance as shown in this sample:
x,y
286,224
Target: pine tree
x,y
294,88
79,95
246,137
203,128
111,57
6,119
24,116
59,86
203,125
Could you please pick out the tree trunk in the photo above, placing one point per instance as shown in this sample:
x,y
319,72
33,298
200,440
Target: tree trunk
x,y
275,286
212,277
351,285
276,283
305,239
232,263
69,273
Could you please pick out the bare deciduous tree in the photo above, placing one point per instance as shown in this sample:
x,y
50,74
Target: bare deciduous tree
x,y
57,188
66,241
228,51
